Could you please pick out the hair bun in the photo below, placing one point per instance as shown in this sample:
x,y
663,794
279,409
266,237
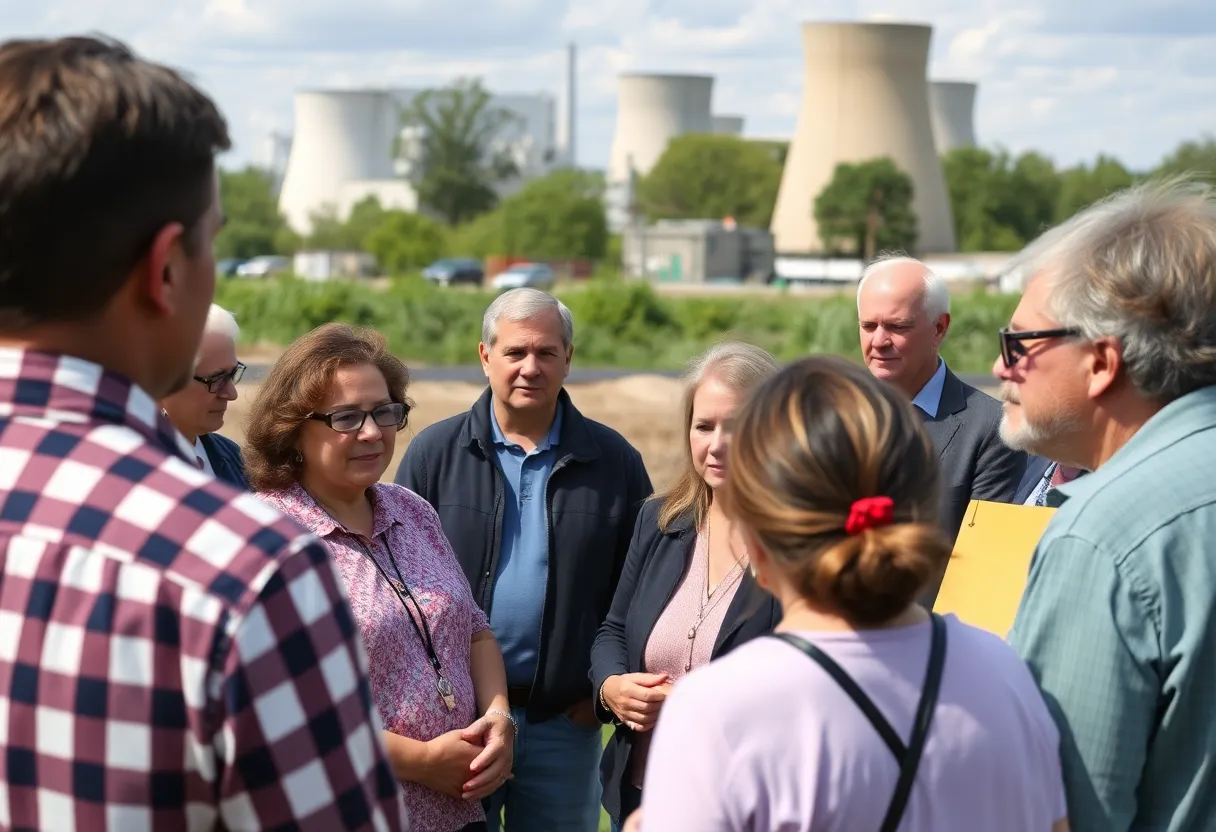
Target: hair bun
x,y
869,576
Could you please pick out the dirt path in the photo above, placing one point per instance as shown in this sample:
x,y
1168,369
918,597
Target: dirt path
x,y
644,408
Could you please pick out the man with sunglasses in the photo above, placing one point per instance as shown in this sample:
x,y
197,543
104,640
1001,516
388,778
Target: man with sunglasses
x,y
198,409
904,315
1109,366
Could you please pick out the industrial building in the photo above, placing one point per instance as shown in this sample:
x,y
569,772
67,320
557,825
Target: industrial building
x,y
342,149
865,95
728,125
697,251
952,109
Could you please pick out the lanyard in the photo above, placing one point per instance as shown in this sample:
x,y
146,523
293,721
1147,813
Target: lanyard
x,y
402,590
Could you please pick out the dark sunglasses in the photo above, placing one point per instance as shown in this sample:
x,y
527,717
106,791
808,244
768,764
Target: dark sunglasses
x,y
1013,342
216,381
348,421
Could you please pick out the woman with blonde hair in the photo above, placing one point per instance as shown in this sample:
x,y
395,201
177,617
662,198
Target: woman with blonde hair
x,y
685,595
864,711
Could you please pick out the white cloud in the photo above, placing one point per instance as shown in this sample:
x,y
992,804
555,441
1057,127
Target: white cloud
x,y
1069,78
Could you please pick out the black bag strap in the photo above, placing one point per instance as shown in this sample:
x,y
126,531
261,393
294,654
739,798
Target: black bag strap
x,y
908,757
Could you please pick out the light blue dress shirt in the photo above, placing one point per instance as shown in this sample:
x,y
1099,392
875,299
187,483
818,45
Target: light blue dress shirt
x,y
929,399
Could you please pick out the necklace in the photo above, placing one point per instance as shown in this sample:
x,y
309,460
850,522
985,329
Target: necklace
x,y
401,589
707,601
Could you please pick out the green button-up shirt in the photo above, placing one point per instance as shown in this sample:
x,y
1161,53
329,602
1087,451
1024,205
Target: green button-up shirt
x,y
1118,624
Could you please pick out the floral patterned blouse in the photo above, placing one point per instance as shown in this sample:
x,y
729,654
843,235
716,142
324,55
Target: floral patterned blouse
x,y
406,531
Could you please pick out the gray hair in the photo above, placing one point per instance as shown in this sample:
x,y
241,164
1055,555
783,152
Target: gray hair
x,y
524,304
1140,266
937,292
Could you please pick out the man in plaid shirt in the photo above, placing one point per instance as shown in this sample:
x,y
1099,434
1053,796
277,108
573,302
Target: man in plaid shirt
x,y
174,654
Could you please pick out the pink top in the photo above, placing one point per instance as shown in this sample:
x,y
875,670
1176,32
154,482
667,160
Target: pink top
x,y
763,738
669,649
406,528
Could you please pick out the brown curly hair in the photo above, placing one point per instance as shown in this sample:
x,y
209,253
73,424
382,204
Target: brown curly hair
x,y
296,386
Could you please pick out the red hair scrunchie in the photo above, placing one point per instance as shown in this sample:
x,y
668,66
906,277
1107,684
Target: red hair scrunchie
x,y
869,513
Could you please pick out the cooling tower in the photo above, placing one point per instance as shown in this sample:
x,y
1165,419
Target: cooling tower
x,y
340,136
952,108
864,96
728,125
651,111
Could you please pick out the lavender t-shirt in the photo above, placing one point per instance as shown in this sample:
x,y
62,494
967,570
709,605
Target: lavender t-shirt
x,y
763,739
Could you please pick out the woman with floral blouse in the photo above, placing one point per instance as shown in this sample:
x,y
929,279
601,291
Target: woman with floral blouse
x,y
321,434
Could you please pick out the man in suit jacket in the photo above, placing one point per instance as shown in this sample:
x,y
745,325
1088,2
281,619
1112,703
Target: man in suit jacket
x,y
904,314
1037,467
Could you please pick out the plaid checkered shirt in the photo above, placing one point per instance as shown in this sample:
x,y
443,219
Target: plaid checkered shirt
x,y
174,654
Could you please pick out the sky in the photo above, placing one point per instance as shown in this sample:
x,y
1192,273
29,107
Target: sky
x,y
1070,78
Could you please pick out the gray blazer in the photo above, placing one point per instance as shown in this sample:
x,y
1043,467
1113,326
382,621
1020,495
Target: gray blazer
x,y
976,464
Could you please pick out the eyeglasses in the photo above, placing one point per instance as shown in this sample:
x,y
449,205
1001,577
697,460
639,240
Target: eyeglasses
x,y
216,381
348,421
1013,342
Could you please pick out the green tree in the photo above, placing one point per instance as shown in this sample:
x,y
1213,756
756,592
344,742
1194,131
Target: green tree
x,y
556,217
999,203
712,177
456,162
867,207
254,225
1082,186
1196,159
405,242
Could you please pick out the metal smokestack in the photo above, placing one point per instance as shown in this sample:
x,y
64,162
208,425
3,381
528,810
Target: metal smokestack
x,y
571,104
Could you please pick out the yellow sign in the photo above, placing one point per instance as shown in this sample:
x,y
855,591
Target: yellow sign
x,y
986,575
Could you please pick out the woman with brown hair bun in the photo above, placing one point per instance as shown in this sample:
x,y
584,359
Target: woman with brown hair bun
x,y
863,712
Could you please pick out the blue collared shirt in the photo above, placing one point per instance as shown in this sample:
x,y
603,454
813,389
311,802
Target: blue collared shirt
x,y
518,607
929,399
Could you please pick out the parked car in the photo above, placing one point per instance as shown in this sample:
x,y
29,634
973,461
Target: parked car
x,y
228,266
452,270
532,275
264,266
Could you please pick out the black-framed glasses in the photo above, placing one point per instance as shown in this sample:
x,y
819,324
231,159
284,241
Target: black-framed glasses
x,y
1013,341
390,415
216,381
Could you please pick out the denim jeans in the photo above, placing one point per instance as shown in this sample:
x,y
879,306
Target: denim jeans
x,y
557,780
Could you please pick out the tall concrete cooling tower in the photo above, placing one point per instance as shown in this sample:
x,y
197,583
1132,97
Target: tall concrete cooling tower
x,y
339,137
651,111
865,96
952,106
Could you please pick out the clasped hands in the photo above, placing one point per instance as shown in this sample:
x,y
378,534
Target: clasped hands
x,y
471,763
636,698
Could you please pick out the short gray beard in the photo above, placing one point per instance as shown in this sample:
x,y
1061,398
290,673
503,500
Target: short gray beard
x,y
1042,438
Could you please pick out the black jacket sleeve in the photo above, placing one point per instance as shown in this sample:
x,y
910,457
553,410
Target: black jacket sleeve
x,y
610,652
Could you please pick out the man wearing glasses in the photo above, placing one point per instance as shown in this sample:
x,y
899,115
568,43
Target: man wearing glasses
x,y
198,409
1109,366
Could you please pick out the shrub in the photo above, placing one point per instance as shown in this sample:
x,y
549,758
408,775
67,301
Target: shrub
x,y
617,324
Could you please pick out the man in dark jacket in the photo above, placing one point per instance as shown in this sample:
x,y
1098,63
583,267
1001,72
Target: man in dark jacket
x,y
539,504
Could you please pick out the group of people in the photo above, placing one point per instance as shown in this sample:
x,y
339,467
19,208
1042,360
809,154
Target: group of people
x,y
196,635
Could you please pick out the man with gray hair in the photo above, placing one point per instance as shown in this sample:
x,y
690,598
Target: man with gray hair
x,y
1109,365
539,504
904,314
